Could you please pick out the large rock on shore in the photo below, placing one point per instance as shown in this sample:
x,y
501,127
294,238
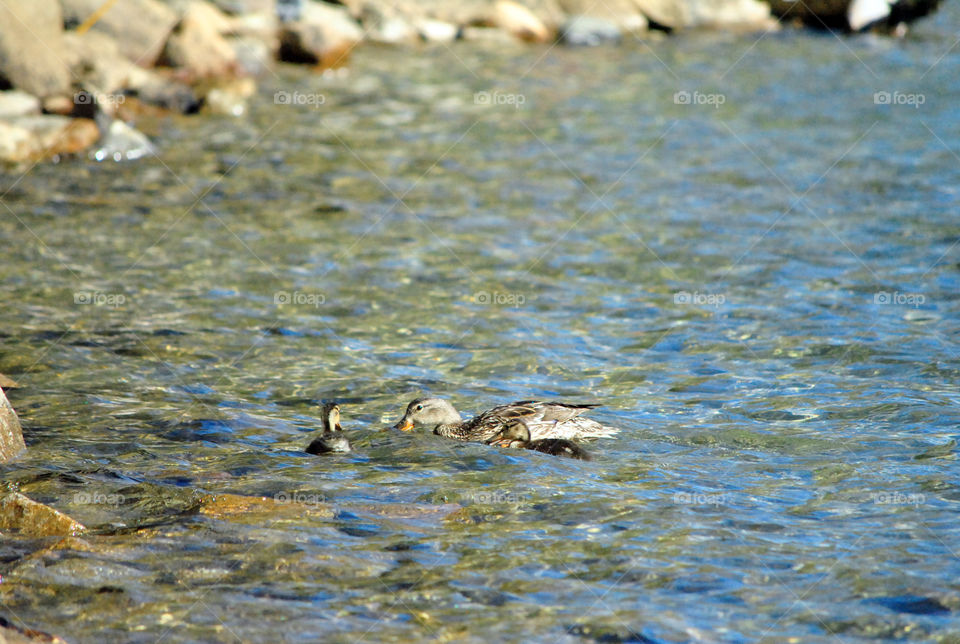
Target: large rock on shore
x,y
712,14
31,47
140,27
324,35
197,45
11,435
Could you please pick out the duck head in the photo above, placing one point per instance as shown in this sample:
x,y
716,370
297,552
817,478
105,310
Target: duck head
x,y
331,418
516,434
428,412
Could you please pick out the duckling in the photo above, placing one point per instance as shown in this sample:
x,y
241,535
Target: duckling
x,y
543,420
517,435
333,440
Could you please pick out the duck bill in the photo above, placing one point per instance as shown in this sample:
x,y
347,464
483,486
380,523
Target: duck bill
x,y
503,442
404,425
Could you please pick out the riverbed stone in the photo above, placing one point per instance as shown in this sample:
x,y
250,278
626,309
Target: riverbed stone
x,y
519,21
28,518
31,47
711,14
14,103
589,31
140,27
622,13
432,30
324,35
11,434
197,45
10,633
36,137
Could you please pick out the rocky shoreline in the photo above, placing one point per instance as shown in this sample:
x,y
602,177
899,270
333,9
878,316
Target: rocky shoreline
x,y
75,74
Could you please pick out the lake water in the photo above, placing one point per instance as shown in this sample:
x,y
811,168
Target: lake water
x,y
745,248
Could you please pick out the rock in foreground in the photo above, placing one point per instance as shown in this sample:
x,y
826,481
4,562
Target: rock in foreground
x,y
11,435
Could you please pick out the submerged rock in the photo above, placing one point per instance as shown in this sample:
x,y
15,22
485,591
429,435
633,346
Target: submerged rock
x,y
324,35
31,47
12,634
11,434
589,31
31,519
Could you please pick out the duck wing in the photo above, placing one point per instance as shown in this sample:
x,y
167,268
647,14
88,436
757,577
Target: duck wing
x,y
550,419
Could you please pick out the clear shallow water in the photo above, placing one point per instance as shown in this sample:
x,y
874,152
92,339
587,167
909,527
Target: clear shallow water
x,y
759,288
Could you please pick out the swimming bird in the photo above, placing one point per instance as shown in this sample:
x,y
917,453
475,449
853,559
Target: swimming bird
x,y
517,435
332,440
543,420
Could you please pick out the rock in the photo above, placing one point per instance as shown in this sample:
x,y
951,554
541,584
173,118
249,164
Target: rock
x,y
436,30
31,519
8,383
121,142
589,31
325,35
169,95
253,55
12,634
487,34
11,435
245,7
717,14
37,137
519,21
31,47
383,24
197,45
622,13
229,98
14,103
140,27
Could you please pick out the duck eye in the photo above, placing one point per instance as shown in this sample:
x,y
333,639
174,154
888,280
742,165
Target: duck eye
x,y
419,407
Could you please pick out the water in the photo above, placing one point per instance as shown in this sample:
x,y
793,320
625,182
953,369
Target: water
x,y
756,277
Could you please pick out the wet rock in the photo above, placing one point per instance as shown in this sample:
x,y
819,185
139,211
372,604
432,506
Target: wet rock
x,y
197,45
519,21
251,509
589,31
715,14
121,142
14,103
436,30
324,35
140,27
13,634
28,518
229,98
622,13
31,47
384,24
37,137
11,435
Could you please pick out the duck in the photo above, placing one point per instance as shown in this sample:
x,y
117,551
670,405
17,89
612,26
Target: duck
x,y
516,435
332,440
543,420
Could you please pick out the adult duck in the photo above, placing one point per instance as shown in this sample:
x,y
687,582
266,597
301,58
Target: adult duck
x,y
542,419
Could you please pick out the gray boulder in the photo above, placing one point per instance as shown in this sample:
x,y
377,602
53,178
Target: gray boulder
x,y
31,47
589,31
